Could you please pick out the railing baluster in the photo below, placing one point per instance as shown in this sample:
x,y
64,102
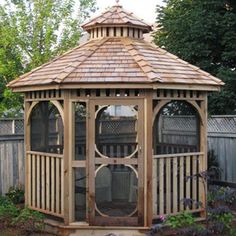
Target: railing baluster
x,y
29,179
168,186
33,181
175,187
194,180
38,181
154,206
43,182
181,183
52,185
57,185
188,180
161,186
47,184
62,187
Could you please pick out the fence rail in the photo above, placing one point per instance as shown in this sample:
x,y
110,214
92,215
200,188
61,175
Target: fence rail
x,y
45,181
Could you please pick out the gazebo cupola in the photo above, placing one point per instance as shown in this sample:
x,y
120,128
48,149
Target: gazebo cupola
x,y
116,22
112,129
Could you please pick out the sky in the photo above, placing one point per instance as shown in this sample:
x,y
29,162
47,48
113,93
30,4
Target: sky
x,y
145,9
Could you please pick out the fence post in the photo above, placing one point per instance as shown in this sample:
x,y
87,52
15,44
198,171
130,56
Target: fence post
x,y
13,126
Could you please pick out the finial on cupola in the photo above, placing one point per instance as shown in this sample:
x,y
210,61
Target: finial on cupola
x,y
117,2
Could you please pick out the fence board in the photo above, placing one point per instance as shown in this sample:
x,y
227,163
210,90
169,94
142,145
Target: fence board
x,y
11,161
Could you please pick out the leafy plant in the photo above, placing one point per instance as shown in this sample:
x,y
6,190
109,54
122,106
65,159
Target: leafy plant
x,y
4,201
7,212
220,219
184,219
29,220
16,195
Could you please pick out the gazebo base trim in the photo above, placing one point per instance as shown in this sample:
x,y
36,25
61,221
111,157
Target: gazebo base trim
x,y
73,229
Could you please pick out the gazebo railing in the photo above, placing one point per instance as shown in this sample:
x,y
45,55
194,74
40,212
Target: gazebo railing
x,y
45,182
175,181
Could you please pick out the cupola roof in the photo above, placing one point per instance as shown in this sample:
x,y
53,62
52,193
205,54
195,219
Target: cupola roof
x,y
116,16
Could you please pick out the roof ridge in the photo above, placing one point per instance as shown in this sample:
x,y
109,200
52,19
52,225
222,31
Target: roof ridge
x,y
198,69
144,65
71,67
45,64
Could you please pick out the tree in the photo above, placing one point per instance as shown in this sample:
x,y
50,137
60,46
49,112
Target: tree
x,y
35,31
10,67
203,32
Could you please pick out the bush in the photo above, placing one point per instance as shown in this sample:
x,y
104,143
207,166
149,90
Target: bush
x,y
4,201
29,220
184,219
16,195
8,211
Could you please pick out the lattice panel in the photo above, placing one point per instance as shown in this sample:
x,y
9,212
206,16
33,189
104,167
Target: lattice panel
x,y
179,123
117,127
225,124
11,126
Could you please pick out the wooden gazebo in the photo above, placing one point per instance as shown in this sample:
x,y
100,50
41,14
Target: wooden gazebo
x,y
113,128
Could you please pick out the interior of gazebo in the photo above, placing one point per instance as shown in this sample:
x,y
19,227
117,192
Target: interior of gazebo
x,y
114,128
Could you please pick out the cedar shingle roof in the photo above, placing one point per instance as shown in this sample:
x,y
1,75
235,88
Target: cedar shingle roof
x,y
116,15
116,60
122,60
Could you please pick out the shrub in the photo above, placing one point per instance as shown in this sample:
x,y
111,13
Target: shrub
x,y
217,194
16,195
29,220
7,211
4,201
184,219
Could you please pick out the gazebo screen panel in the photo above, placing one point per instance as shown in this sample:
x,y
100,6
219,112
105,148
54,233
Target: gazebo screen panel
x,y
80,191
47,131
116,131
176,129
116,191
80,114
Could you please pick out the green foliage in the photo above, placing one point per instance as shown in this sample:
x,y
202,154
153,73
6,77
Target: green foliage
x,y
31,33
16,195
203,33
7,211
181,220
221,196
29,220
26,220
4,201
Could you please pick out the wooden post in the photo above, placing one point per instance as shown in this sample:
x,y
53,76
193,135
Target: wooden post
x,y
67,180
203,147
149,158
27,148
90,163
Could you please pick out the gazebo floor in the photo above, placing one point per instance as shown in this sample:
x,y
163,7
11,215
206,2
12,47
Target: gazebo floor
x,y
60,229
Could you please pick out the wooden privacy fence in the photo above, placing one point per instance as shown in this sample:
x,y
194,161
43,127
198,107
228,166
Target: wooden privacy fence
x,y
45,181
173,183
11,154
222,144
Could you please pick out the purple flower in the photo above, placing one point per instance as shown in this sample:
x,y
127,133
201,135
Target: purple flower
x,y
162,218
